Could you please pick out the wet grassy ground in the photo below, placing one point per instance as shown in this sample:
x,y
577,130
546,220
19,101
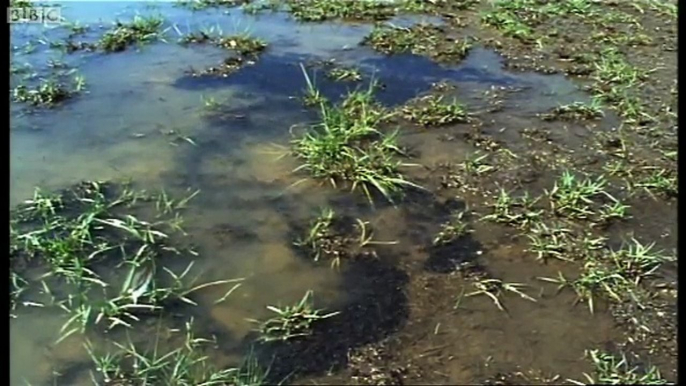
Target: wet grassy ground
x,y
532,238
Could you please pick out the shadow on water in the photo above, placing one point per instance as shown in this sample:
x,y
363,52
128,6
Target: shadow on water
x,y
450,257
402,76
280,82
281,78
424,212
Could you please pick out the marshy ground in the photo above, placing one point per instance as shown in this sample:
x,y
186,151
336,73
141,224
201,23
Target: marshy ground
x,y
221,192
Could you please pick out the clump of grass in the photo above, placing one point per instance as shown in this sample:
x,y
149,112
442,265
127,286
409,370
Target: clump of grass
x,y
320,238
556,241
573,197
494,288
79,83
346,146
390,39
517,211
292,321
549,242
185,365
245,49
615,275
611,370
576,111
577,7
197,37
244,45
105,261
435,6
475,164
227,67
345,74
615,82
661,181
509,23
313,96
49,92
453,229
663,7
420,39
467,175
517,18
623,38
624,100
577,198
670,155
141,29
144,291
318,10
362,108
197,5
619,168
613,69
614,211
433,110
70,46
333,237
17,286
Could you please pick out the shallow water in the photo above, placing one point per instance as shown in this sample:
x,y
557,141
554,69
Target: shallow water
x,y
140,106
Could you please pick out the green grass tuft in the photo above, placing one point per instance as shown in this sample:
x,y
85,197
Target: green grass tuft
x,y
49,92
614,274
420,39
346,146
141,29
292,321
433,110
611,370
184,366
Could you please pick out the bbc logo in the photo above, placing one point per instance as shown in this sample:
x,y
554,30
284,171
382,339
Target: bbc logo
x,y
35,14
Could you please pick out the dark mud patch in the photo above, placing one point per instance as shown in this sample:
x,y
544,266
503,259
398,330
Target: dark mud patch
x,y
260,79
374,306
458,255
420,39
419,209
244,51
481,67
374,365
377,307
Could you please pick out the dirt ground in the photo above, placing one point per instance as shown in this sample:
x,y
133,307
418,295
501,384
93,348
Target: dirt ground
x,y
542,342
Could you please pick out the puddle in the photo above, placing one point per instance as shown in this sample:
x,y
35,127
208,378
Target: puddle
x,y
142,118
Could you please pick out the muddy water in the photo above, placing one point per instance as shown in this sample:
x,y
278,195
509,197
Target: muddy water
x,y
143,119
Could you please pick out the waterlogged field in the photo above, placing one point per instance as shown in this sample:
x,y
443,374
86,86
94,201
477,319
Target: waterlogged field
x,y
223,192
